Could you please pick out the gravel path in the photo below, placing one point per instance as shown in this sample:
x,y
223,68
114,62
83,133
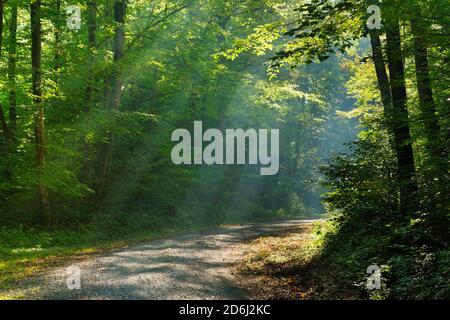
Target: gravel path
x,y
194,266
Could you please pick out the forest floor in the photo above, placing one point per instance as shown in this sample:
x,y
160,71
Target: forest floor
x,y
201,265
287,265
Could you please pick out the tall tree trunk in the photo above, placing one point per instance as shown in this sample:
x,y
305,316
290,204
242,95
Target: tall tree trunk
x,y
2,7
57,25
400,123
92,45
119,52
396,121
438,157
12,57
384,87
88,174
4,124
113,99
426,101
382,77
39,128
447,130
109,44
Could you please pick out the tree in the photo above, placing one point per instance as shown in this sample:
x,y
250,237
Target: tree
x,y
12,58
114,94
92,47
399,123
325,28
39,125
3,122
426,100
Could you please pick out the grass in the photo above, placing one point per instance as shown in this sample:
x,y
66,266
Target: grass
x,y
268,269
328,261
292,266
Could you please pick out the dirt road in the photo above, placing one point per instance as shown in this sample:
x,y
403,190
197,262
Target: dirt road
x,y
193,266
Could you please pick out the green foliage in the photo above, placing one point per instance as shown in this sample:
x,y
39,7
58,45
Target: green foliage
x,y
369,229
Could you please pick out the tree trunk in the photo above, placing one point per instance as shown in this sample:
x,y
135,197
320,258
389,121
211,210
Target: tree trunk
x,y
39,128
2,7
382,77
119,52
399,122
113,98
12,57
57,25
3,122
426,102
396,121
447,130
88,173
437,152
92,45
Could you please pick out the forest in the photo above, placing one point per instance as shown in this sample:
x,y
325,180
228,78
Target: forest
x,y
92,90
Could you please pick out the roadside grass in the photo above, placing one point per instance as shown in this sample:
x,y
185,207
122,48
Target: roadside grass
x,y
265,270
328,261
283,266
